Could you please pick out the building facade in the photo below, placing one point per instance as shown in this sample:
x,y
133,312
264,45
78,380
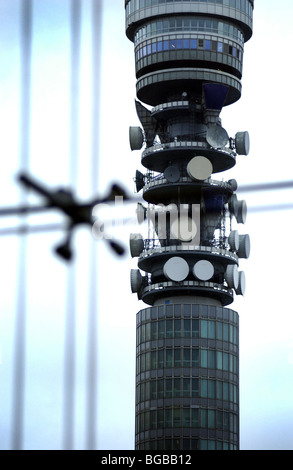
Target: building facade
x,y
189,59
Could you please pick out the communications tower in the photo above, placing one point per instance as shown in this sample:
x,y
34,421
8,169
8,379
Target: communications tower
x,y
188,58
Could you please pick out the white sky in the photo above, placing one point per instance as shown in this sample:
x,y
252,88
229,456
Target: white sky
x,y
266,333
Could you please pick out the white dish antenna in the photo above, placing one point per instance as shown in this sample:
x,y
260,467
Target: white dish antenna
x,y
136,138
244,246
233,240
203,270
217,136
232,276
200,168
136,244
135,280
242,143
242,212
176,269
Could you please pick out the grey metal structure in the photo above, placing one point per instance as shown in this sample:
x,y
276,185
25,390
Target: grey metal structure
x,y
189,57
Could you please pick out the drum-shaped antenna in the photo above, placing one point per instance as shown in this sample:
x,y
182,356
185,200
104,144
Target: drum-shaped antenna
x,y
136,138
203,270
199,168
176,269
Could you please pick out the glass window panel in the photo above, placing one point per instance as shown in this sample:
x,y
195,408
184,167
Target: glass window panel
x,y
169,357
204,358
186,417
153,421
194,417
168,417
160,388
212,329
186,387
161,329
154,330
193,44
212,359
195,357
179,44
226,391
208,45
172,44
160,46
176,387
153,390
219,390
219,360
186,357
160,359
176,417
211,419
177,357
212,389
203,418
195,328
187,328
153,360
225,361
204,388
166,45
169,388
177,328
194,391
169,328
204,329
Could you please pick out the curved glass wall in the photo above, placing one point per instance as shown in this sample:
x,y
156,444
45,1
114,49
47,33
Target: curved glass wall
x,y
245,6
185,24
187,390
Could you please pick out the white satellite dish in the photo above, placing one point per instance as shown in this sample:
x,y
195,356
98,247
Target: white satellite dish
x,y
217,137
199,168
183,228
136,244
232,276
242,212
203,270
135,280
233,240
136,138
242,143
242,284
176,269
244,246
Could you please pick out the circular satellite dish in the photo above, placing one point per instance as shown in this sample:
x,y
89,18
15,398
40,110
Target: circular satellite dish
x,y
242,143
234,185
135,280
232,276
233,240
135,138
217,136
183,228
176,269
242,212
244,246
172,174
203,270
242,284
200,168
136,244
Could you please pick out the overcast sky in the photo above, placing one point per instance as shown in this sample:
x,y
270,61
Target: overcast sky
x,y
266,329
